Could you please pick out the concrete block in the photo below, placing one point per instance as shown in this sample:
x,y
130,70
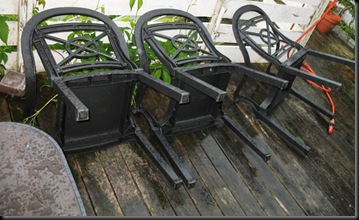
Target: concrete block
x,y
13,83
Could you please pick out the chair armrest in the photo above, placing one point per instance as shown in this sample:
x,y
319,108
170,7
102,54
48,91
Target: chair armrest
x,y
81,111
171,91
208,89
331,57
315,78
261,76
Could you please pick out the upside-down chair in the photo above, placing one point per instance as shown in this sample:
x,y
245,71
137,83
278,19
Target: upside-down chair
x,y
88,65
182,44
253,28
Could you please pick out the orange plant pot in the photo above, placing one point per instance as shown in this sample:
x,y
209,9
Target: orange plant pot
x,y
328,22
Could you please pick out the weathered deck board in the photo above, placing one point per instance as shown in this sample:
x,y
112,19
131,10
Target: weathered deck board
x,y
122,182
232,180
98,185
248,173
202,196
147,181
76,171
211,178
230,176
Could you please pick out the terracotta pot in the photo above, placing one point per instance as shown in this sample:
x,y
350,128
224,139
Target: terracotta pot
x,y
328,22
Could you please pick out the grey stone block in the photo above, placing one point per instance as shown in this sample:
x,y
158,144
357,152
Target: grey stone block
x,y
13,83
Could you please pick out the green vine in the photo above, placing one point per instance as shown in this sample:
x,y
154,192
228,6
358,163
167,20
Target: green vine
x,y
31,119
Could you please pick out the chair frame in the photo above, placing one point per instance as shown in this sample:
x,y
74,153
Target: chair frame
x,y
206,82
94,109
278,45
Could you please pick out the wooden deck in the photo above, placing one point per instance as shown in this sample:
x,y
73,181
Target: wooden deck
x,y
231,179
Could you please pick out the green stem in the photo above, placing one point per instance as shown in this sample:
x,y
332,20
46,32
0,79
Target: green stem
x,y
33,116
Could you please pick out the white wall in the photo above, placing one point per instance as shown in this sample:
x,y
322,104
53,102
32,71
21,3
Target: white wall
x,y
293,17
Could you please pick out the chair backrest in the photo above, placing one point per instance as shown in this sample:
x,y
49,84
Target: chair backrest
x,y
180,41
252,27
178,38
85,41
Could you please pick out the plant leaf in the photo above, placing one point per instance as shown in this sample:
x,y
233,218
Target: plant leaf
x,y
42,2
4,30
139,4
132,3
166,76
156,74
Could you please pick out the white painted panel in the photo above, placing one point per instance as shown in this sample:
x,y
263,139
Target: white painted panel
x,y
233,53
225,34
121,7
276,12
8,6
309,2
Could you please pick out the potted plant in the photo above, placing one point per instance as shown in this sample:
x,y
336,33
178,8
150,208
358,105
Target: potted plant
x,y
328,21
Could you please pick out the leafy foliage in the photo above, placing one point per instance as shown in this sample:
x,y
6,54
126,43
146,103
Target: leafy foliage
x,y
4,29
4,33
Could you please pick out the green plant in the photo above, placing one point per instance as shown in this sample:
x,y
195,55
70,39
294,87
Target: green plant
x,y
348,30
348,6
4,50
348,3
36,6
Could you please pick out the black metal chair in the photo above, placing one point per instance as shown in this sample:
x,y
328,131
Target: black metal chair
x,y
253,28
183,45
88,66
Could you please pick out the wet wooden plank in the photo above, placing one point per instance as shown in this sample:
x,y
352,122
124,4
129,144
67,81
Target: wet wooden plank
x,y
180,199
98,186
124,186
294,178
231,177
248,173
320,170
78,177
324,156
147,179
200,194
280,193
211,178
268,177
304,189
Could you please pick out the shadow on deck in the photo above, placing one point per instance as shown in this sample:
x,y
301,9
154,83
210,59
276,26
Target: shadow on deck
x,y
232,180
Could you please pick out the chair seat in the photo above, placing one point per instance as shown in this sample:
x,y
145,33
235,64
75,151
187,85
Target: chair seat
x,y
35,177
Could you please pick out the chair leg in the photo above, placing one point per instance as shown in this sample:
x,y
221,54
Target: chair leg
x,y
240,132
178,165
283,133
325,112
157,158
